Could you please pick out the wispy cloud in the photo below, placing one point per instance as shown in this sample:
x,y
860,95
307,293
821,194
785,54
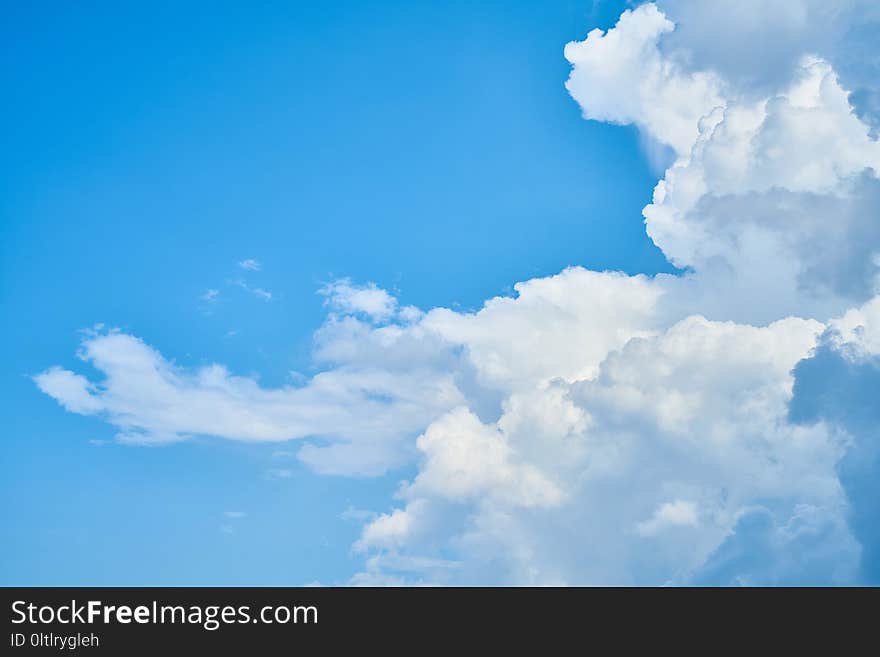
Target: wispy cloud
x,y
280,473
210,296
261,293
258,292
249,264
358,515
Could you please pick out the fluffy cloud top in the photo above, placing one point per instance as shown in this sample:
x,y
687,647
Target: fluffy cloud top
x,y
602,428
621,76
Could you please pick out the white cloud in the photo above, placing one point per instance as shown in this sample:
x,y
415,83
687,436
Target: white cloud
x,y
72,391
265,295
464,459
859,330
151,400
621,76
345,298
258,292
755,45
250,265
670,515
210,295
597,427
775,202
696,413
760,169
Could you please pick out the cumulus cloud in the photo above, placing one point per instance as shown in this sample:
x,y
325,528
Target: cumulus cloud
x,y
633,475
812,548
596,427
755,46
370,300
621,76
772,189
838,386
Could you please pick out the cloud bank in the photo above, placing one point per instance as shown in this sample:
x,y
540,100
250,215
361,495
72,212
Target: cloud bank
x,y
713,427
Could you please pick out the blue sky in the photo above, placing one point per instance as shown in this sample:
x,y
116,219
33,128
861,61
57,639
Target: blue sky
x,y
148,151
193,176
